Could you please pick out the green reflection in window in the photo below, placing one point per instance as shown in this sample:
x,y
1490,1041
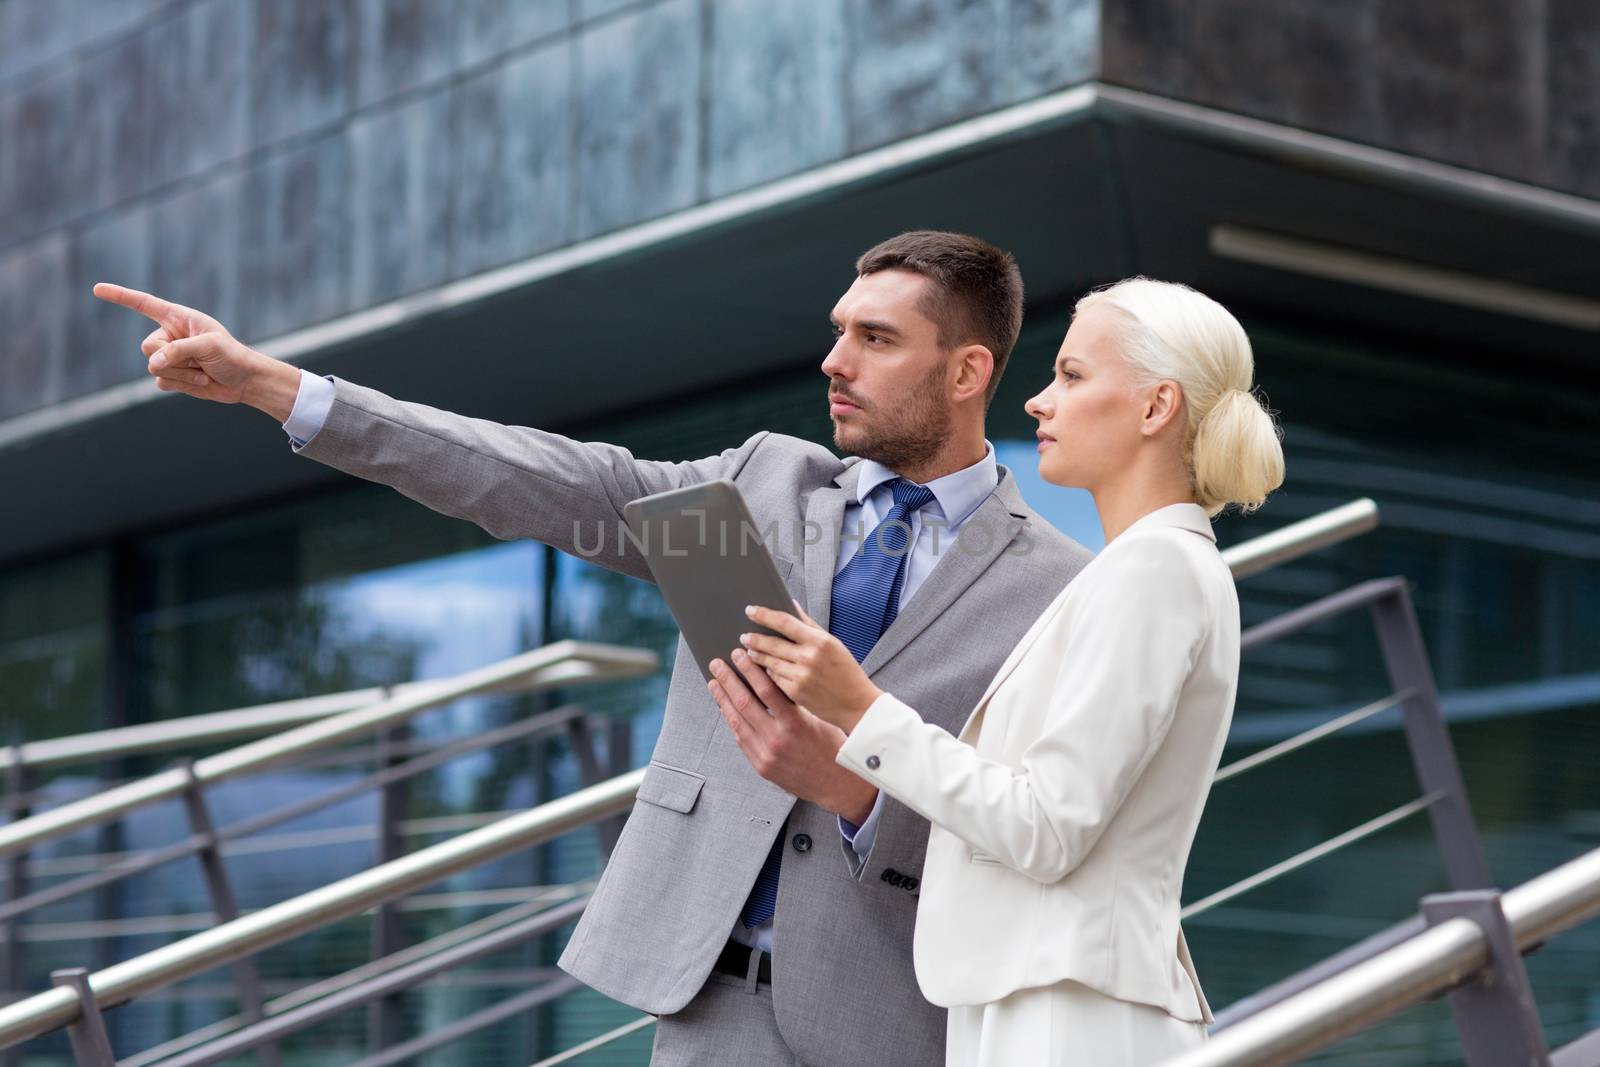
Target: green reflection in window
x,y
54,647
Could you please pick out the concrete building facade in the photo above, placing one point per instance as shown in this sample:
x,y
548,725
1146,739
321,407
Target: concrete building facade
x,y
627,219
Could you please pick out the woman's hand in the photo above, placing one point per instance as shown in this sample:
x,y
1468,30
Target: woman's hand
x,y
811,666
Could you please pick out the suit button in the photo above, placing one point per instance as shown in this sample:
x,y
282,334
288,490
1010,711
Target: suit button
x,y
802,842
889,874
872,763
911,883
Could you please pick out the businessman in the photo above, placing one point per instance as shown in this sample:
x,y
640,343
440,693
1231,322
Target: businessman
x,y
760,902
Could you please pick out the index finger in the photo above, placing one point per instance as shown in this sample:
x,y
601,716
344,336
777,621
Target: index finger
x,y
150,306
781,621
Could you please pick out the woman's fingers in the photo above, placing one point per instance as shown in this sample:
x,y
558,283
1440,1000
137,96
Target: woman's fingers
x,y
776,647
781,621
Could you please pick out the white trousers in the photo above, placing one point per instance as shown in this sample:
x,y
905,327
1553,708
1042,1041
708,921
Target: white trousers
x,y
1065,1025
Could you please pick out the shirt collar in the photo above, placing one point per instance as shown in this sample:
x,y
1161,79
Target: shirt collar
x,y
957,495
1185,516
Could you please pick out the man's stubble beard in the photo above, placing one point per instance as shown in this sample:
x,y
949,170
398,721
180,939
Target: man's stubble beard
x,y
906,433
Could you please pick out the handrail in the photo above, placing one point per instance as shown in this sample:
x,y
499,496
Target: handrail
x,y
273,925
306,994
1301,538
1433,962
194,730
561,663
226,839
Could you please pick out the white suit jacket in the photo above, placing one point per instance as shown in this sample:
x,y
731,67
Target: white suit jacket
x,y
1064,811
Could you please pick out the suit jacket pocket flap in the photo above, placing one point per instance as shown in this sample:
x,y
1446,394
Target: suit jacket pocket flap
x,y
670,787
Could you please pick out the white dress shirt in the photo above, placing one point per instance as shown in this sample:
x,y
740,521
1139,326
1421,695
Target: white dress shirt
x,y
933,529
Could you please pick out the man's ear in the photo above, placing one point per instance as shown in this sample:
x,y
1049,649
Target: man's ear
x,y
974,369
1163,404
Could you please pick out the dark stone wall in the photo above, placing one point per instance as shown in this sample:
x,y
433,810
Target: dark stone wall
x,y
282,162
1508,87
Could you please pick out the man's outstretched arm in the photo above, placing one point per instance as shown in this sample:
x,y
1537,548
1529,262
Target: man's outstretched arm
x,y
513,481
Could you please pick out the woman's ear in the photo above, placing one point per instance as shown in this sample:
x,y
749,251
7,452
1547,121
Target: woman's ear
x,y
1163,404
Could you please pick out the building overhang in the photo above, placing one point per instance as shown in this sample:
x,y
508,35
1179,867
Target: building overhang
x,y
1084,186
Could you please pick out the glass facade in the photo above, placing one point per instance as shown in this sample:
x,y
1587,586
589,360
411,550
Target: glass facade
x,y
1489,488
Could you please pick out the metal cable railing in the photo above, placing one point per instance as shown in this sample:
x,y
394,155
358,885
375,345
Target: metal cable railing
x,y
130,864
78,1006
350,896
1435,959
562,663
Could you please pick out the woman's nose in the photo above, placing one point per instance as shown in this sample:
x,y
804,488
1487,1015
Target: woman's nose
x,y
1035,407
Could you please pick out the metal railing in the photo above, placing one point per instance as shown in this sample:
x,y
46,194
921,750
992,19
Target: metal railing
x,y
193,731
561,664
77,1000
350,896
1454,952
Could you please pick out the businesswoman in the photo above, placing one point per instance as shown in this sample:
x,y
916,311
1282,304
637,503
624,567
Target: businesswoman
x,y
1064,811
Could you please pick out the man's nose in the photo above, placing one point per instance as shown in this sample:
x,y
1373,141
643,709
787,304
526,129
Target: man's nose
x,y
833,365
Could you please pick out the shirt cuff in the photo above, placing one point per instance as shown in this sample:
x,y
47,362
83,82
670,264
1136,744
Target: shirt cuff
x,y
861,837
312,403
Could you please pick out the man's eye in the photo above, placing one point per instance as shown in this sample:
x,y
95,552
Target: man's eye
x,y
873,337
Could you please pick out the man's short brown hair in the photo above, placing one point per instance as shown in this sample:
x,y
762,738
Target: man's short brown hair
x,y
976,296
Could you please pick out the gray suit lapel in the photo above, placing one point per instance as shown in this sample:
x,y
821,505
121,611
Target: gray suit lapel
x,y
824,514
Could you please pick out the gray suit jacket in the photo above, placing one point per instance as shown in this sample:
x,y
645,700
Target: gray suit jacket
x,y
843,987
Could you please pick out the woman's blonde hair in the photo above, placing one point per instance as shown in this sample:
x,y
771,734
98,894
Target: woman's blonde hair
x,y
1166,331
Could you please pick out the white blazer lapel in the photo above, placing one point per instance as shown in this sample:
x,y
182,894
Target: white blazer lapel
x,y
1010,664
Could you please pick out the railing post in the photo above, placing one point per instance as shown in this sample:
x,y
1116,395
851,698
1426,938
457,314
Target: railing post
x,y
619,745
1495,1014
13,953
224,904
388,933
589,767
1427,737
91,1045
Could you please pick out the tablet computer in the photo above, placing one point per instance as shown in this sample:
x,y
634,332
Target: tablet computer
x,y
707,556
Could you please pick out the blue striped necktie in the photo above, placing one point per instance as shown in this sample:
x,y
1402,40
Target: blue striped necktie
x,y
866,599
